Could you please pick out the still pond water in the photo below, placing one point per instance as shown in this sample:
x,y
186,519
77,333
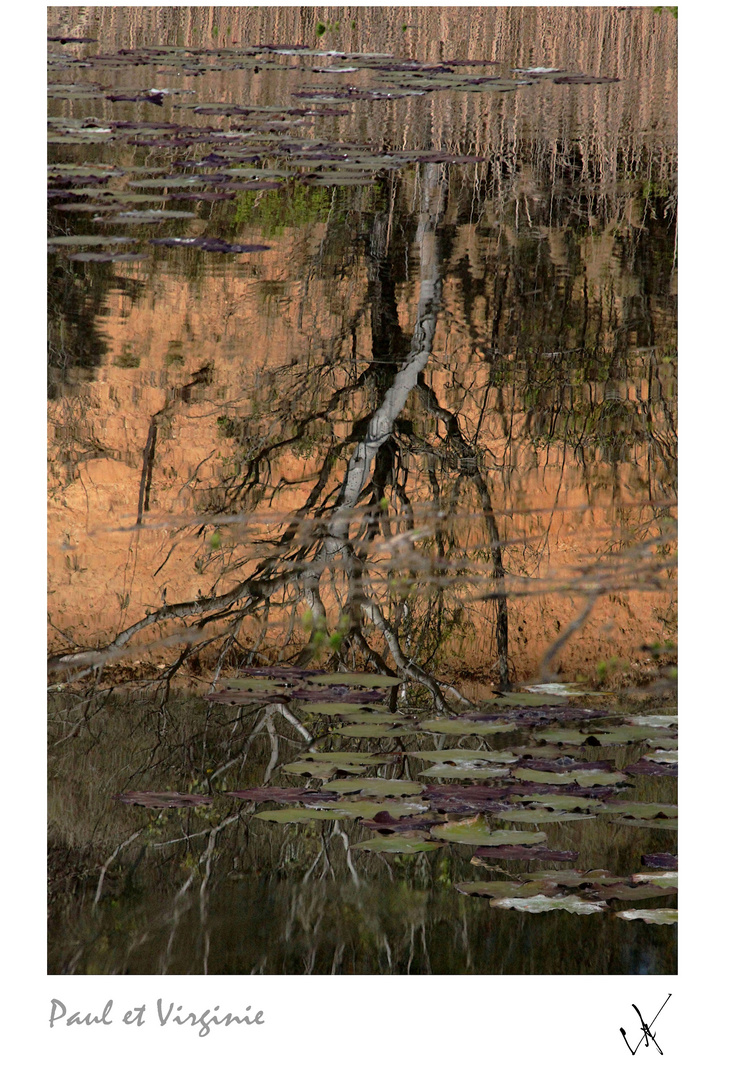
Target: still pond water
x,y
362,481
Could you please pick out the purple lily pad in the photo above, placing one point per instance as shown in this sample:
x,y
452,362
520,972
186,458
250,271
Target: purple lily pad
x,y
284,795
159,800
512,851
661,860
644,767
583,80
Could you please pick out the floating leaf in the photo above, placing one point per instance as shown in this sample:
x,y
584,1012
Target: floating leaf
x,y
651,915
534,905
373,731
658,877
455,757
662,860
297,815
108,256
401,845
376,786
350,757
585,778
158,800
275,794
641,810
475,832
88,241
466,727
542,817
646,767
352,711
654,823
503,888
355,679
464,772
508,851
564,802
321,770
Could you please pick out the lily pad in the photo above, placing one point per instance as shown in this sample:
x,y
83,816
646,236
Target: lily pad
x,y
564,802
321,770
657,877
279,795
355,679
509,851
542,817
158,800
662,916
662,860
297,815
653,823
464,772
396,845
352,757
503,888
89,241
352,711
373,731
505,700
108,256
457,726
534,905
585,778
641,810
456,757
375,786
476,832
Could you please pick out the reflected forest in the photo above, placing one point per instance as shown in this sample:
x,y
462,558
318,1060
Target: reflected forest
x,y
362,368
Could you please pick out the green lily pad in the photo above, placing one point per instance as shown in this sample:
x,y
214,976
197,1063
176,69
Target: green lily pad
x,y
653,721
618,737
641,810
140,216
369,682
476,832
663,755
353,711
563,802
542,817
517,698
373,731
534,905
500,888
585,778
657,877
456,757
574,878
455,726
321,770
396,845
375,786
362,808
464,772
651,915
641,823
296,815
89,241
353,757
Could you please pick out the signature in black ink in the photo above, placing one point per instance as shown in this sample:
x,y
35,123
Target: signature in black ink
x,y
648,1036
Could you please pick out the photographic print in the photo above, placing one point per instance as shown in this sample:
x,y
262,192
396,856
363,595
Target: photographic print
x,y
362,398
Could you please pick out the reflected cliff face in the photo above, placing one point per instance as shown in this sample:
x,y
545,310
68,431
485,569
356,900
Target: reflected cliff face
x,y
362,355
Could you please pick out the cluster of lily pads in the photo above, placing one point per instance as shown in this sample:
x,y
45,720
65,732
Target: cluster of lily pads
x,y
490,800
263,147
